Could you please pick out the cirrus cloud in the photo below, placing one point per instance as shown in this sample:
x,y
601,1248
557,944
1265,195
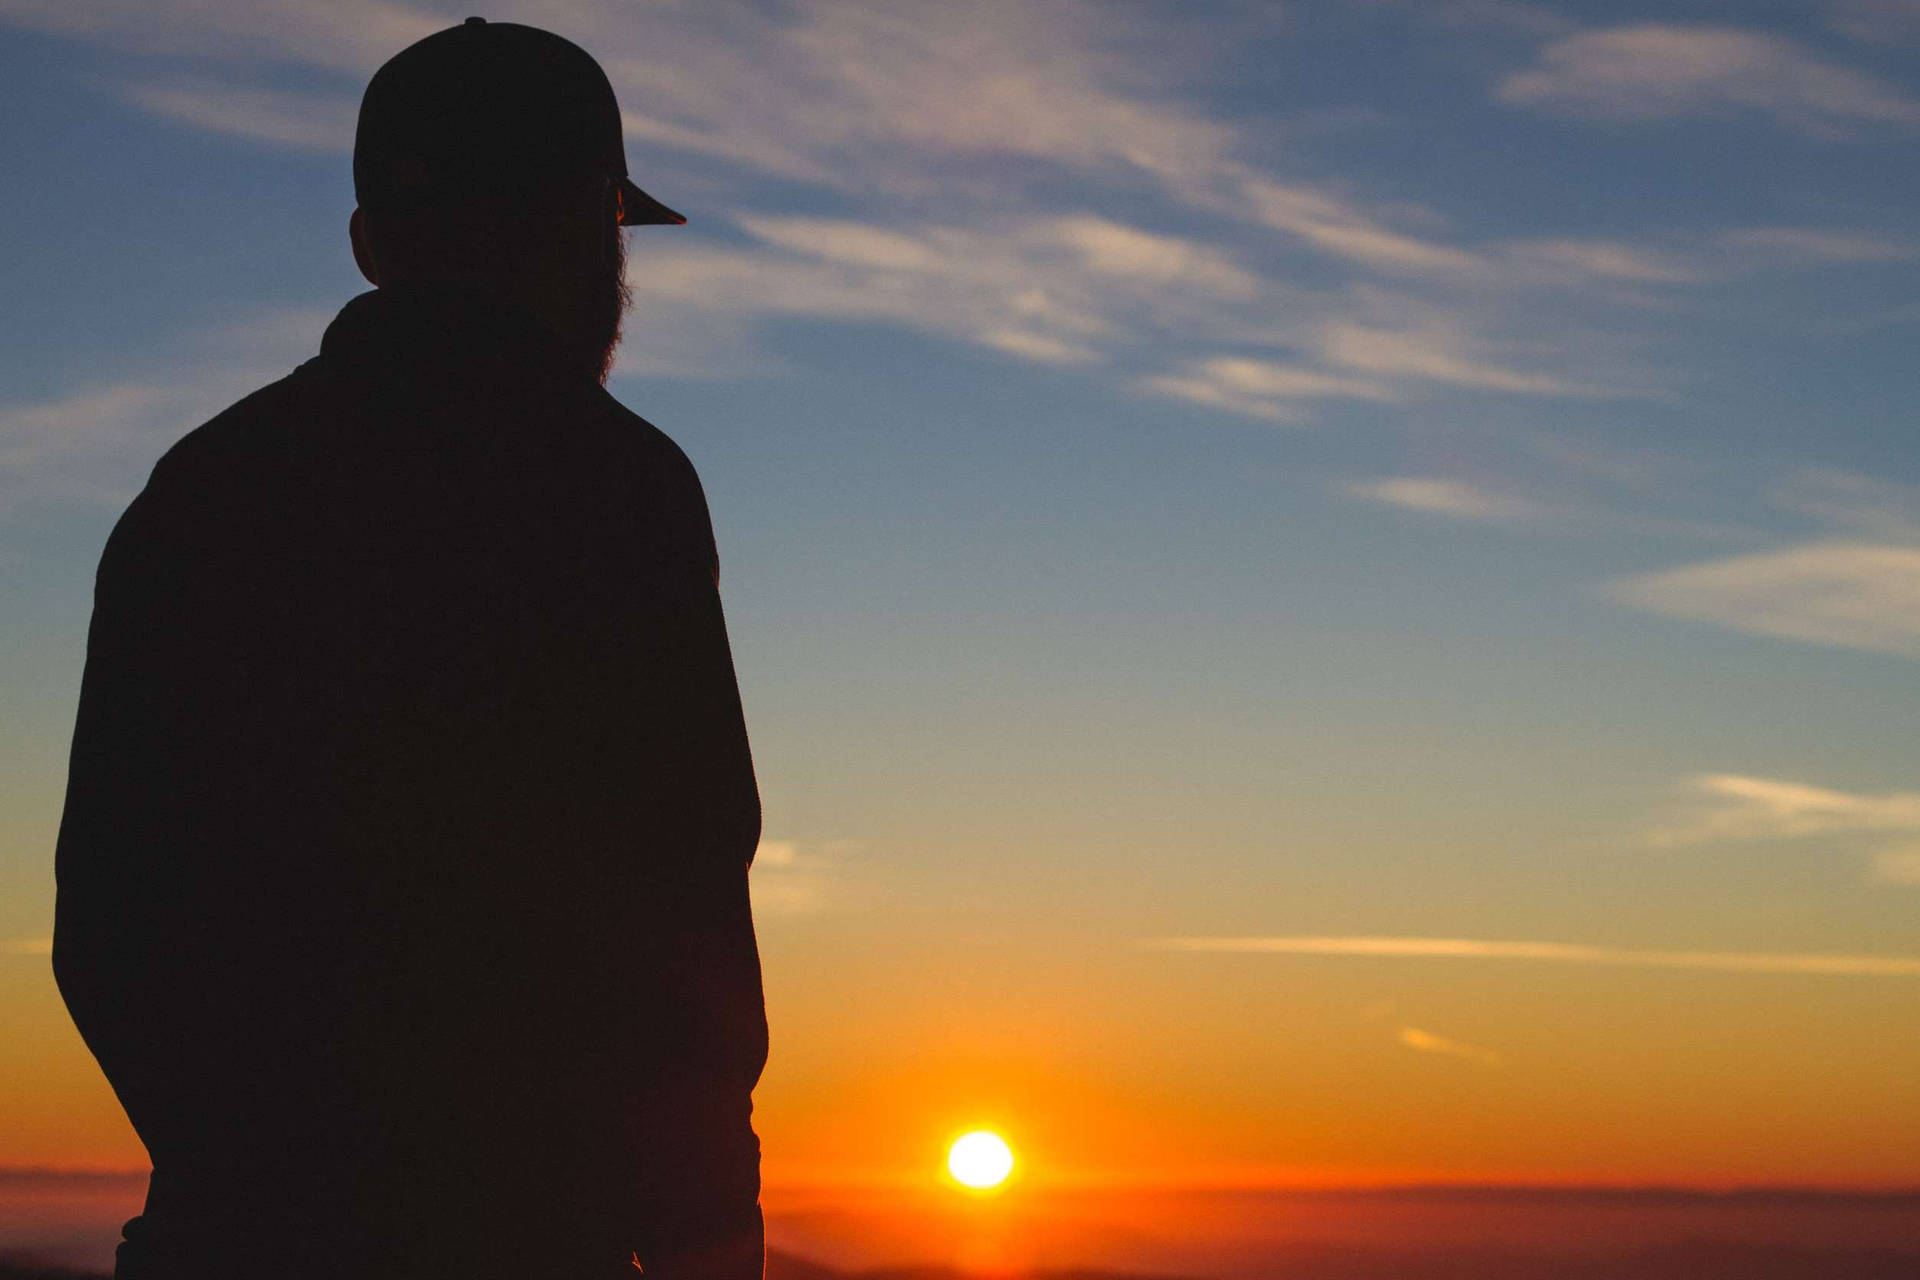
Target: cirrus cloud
x,y
1651,71
1825,964
1854,595
1736,807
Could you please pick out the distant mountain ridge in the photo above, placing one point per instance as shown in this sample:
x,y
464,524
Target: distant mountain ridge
x,y
1692,1261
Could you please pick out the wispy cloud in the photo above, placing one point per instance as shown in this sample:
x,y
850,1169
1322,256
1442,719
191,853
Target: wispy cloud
x,y
1261,388
1576,263
1657,71
1433,355
1855,595
1777,246
1736,807
1894,22
1869,506
344,35
792,878
1815,963
944,141
29,947
1428,1042
1438,496
97,443
94,444
303,120
1337,227
1056,289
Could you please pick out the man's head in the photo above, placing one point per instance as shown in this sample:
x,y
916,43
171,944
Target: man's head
x,y
490,155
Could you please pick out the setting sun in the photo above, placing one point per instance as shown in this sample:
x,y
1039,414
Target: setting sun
x,y
980,1160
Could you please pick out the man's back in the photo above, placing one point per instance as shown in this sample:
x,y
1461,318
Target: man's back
x,y
402,880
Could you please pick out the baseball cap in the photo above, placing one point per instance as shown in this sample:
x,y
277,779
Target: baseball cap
x,y
491,109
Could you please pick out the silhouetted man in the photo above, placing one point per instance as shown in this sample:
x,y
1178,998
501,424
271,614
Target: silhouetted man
x,y
403,885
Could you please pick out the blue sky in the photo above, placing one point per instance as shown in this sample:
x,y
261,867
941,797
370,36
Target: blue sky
x,y
1365,470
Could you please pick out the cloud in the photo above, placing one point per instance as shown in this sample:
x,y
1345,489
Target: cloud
x,y
1748,808
794,879
775,853
945,141
302,120
343,35
30,434
1438,496
1855,595
1655,71
1055,82
1336,227
1736,807
1080,245
1053,289
1490,15
30,947
1884,510
1427,1042
1894,22
1431,356
1815,963
93,445
1260,388
1784,245
1037,347
1577,262
96,444
1110,249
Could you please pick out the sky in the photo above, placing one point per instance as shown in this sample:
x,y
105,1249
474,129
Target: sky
x,y
1326,593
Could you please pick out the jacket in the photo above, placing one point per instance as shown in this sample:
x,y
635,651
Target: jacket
x,y
403,870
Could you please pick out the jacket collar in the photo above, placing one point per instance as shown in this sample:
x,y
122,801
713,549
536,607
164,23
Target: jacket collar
x,y
447,331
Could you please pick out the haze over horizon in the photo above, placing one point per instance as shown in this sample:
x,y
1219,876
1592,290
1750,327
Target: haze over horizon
x,y
1326,594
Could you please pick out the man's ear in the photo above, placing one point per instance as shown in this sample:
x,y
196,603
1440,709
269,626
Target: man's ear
x,y
363,248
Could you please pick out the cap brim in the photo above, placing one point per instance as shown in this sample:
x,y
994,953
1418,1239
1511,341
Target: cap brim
x,y
638,209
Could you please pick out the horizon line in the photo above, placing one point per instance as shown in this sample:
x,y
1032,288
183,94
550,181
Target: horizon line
x,y
1383,1187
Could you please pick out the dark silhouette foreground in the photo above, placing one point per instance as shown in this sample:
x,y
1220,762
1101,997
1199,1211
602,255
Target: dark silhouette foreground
x,y
403,871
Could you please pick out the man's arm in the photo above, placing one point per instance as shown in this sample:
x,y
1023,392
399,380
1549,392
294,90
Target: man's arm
x,y
686,773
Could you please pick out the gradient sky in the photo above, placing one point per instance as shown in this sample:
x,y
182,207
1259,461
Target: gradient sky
x,y
1324,592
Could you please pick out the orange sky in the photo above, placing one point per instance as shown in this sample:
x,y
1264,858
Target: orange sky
x,y
1435,528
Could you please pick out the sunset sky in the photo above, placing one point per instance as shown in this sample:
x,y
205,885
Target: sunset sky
x,y
1325,593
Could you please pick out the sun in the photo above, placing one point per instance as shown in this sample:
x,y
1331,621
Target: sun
x,y
980,1160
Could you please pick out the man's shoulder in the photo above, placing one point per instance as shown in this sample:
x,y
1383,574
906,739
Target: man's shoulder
x,y
224,457
248,432
667,477
647,444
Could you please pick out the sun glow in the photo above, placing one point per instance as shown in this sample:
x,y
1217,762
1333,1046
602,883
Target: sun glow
x,y
980,1160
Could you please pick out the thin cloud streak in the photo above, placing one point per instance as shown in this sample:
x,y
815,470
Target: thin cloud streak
x,y
791,878
343,35
1060,289
1435,495
1813,963
304,121
1852,595
1262,388
1739,807
1433,356
1428,1042
1785,245
1654,71
1733,807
